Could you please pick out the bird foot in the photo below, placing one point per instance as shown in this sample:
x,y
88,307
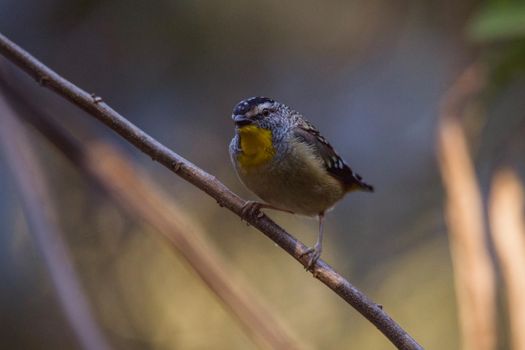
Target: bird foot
x,y
251,210
315,254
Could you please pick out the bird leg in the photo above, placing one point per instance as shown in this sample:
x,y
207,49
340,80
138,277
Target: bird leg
x,y
317,248
252,209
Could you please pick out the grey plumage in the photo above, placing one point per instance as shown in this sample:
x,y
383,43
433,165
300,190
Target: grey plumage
x,y
305,174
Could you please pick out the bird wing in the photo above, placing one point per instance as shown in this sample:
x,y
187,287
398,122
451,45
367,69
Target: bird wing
x,y
334,164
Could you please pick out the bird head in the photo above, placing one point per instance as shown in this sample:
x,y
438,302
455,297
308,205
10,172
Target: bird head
x,y
262,112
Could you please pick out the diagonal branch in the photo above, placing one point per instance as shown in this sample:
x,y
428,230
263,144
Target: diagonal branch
x,y
106,167
95,107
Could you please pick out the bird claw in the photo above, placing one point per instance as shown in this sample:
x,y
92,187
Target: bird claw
x,y
315,255
251,210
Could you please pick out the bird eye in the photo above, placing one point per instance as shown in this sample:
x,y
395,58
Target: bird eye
x,y
266,112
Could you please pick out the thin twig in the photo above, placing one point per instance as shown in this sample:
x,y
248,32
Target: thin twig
x,y
473,270
508,234
209,184
108,168
37,205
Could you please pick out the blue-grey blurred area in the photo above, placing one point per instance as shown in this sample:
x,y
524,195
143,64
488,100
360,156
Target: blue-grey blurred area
x,y
370,74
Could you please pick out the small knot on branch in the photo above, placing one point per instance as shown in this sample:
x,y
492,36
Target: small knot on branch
x,y
176,166
96,99
42,80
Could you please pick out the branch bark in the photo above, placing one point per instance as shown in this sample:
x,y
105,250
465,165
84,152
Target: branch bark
x,y
95,107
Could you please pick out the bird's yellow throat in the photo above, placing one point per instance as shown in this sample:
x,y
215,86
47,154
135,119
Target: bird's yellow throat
x,y
256,146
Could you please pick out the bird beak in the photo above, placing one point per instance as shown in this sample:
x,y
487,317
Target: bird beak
x,y
241,120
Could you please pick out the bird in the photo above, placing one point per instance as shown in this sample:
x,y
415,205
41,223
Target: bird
x,y
284,160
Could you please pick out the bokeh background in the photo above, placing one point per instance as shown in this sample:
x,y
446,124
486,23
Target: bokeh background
x,y
370,74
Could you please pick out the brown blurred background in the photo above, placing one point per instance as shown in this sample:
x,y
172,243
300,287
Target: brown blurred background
x,y
371,76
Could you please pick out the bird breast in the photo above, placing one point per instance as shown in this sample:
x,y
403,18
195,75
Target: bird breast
x,y
295,179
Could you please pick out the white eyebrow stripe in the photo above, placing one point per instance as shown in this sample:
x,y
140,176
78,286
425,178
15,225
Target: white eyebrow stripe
x,y
264,105
258,109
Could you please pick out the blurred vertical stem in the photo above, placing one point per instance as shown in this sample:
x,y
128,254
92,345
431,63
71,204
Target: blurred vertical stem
x,y
473,269
39,213
508,233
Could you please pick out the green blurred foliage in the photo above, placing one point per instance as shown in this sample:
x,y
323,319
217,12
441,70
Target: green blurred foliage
x,y
498,20
499,27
